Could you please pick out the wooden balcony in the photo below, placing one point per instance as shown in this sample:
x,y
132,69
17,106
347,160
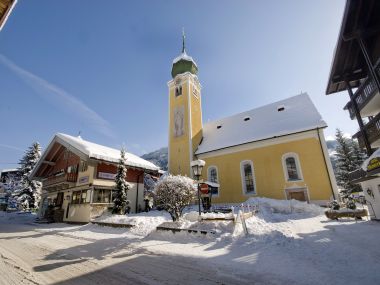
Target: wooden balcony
x,y
65,177
372,129
367,97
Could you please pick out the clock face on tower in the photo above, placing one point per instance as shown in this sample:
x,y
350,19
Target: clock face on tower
x,y
179,124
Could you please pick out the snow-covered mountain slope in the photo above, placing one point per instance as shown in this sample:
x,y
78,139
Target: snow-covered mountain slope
x,y
158,157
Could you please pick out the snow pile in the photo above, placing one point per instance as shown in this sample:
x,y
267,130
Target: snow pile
x,y
285,206
143,223
217,216
190,221
18,216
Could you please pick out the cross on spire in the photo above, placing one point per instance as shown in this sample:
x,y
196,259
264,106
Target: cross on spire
x,y
183,40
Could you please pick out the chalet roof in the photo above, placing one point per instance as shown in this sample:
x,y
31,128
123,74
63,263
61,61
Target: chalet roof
x,y
94,151
361,17
6,7
289,116
101,152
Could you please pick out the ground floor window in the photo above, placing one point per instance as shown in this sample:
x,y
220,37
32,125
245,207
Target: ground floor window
x,y
102,196
79,197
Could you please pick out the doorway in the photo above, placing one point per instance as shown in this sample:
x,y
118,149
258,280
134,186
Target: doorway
x,y
299,194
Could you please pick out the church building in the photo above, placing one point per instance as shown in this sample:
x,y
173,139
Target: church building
x,y
276,151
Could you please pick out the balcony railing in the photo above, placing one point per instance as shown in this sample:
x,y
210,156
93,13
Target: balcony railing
x,y
372,129
66,177
365,92
357,175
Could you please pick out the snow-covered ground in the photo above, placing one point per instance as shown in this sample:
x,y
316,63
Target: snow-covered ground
x,y
286,244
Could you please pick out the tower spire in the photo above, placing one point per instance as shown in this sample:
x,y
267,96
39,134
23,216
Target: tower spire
x,y
183,40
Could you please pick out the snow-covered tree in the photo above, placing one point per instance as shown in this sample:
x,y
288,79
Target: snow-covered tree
x,y
349,157
173,194
30,189
357,154
122,186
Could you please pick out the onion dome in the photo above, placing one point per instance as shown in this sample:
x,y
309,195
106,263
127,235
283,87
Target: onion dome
x,y
184,63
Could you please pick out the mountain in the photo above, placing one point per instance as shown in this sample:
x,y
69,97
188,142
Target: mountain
x,y
331,146
158,157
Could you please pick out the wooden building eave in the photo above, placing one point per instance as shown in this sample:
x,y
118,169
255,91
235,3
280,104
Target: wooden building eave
x,y
360,19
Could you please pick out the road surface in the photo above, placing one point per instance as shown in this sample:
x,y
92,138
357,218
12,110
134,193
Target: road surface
x,y
31,255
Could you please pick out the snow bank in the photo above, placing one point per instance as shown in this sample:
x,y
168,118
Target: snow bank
x,y
285,206
143,223
16,217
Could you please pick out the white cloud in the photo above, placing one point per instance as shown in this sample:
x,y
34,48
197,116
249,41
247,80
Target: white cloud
x,y
60,98
11,147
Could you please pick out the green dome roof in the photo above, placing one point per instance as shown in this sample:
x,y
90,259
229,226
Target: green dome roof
x,y
184,63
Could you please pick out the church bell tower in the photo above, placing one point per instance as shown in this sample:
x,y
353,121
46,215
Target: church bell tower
x,y
185,113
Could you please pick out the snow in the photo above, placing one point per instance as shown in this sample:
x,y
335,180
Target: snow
x,y
96,151
285,206
288,242
144,223
299,115
184,56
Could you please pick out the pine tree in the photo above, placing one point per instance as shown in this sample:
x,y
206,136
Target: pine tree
x,y
122,186
30,189
358,155
349,157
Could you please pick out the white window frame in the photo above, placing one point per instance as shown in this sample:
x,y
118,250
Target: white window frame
x,y
298,165
242,175
217,177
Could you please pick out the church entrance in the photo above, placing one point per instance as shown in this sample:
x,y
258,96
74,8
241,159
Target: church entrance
x,y
299,194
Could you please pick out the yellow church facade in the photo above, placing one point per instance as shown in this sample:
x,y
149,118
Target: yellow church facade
x,y
276,151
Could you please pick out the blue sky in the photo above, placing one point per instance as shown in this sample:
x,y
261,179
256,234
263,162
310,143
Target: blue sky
x,y
101,68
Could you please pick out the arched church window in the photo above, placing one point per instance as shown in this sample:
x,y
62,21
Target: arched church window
x,y
212,176
292,167
248,177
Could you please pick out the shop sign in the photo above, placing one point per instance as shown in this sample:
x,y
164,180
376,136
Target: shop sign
x,y
83,179
373,164
106,175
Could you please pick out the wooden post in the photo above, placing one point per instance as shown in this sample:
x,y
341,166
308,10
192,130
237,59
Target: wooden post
x,y
368,60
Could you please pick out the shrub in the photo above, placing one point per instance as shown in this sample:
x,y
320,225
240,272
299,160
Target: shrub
x,y
173,194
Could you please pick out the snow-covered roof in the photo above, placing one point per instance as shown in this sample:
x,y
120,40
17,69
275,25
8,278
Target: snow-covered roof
x,y
9,170
292,115
97,151
184,56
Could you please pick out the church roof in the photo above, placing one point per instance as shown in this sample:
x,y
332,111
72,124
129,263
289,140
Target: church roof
x,y
184,56
289,116
184,63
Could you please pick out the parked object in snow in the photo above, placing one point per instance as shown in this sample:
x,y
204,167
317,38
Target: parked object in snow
x,y
346,213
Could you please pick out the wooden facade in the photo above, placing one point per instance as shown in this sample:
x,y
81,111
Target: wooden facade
x,y
79,187
6,7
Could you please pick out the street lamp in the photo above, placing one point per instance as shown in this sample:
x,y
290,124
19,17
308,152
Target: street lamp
x,y
197,166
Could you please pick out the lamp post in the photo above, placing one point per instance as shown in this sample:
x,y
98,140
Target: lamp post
x,y
197,166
